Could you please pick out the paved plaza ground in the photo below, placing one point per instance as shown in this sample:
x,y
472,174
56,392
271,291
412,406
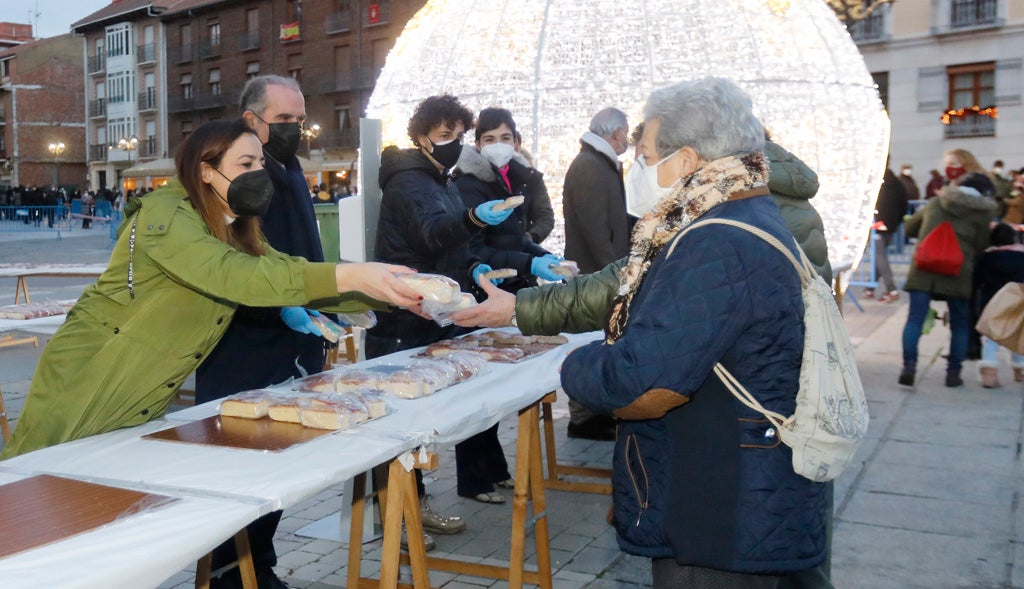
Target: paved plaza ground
x,y
932,501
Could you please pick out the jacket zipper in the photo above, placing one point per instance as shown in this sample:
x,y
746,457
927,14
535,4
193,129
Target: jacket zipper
x,y
641,501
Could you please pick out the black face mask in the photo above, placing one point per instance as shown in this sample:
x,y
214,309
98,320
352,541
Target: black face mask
x,y
447,154
249,193
284,140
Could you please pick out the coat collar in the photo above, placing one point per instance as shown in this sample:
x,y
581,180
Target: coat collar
x,y
601,146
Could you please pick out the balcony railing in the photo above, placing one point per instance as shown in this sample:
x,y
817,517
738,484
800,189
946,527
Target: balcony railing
x,y
871,28
972,13
338,22
146,53
335,139
249,40
201,101
97,108
147,147
356,79
147,99
970,126
97,63
209,49
98,153
181,54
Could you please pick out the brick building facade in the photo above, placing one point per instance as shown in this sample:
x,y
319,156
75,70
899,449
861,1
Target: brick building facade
x,y
334,48
41,104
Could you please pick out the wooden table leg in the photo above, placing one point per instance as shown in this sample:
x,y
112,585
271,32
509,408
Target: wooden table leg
x,y
245,565
392,515
549,435
355,535
540,530
414,534
21,288
203,571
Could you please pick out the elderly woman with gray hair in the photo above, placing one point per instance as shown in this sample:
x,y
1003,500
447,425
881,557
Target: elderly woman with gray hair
x,y
701,484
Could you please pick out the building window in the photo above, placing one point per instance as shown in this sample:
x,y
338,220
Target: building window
x,y
186,128
972,13
341,19
186,86
882,81
252,29
295,66
972,88
215,82
872,28
214,33
293,10
121,86
119,40
252,69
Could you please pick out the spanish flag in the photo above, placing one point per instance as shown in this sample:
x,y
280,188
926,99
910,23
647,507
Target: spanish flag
x,y
290,31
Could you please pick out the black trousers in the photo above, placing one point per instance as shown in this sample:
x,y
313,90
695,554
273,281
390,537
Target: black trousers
x,y
668,574
261,543
479,463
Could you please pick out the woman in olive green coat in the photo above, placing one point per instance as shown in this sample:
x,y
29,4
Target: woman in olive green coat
x,y
187,255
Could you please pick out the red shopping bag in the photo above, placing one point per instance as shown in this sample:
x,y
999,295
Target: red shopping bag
x,y
940,252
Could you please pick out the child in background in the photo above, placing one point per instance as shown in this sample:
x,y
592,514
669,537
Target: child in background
x,y
1002,263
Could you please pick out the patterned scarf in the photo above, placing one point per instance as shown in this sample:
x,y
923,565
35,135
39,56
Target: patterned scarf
x,y
712,184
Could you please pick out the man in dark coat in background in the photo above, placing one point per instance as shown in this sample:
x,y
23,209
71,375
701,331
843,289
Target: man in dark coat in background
x,y
266,346
596,225
890,208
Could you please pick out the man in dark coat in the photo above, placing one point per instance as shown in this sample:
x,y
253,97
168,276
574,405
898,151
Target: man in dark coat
x,y
596,225
909,184
890,208
259,349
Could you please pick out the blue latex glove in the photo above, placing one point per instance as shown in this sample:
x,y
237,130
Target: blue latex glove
x,y
481,269
487,214
298,319
540,267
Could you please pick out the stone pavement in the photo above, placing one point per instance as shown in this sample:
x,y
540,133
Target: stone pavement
x,y
931,502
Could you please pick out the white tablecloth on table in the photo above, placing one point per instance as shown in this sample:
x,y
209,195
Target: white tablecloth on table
x,y
142,550
269,481
40,326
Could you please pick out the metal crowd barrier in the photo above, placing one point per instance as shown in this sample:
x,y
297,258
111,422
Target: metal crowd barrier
x,y
15,219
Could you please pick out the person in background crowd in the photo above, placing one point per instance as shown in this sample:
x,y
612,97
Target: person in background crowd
x,y
88,201
909,184
597,228
322,196
935,184
1000,180
267,345
1013,206
1001,264
184,259
540,217
425,224
890,208
793,184
491,170
967,203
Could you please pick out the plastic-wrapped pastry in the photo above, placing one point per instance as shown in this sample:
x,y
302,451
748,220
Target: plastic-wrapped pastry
x,y
376,405
247,404
467,364
352,380
404,384
436,375
317,383
284,409
330,330
501,273
324,416
501,354
348,402
565,269
433,287
445,347
551,340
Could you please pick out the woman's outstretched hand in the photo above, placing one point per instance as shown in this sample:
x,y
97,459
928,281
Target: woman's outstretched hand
x,y
378,281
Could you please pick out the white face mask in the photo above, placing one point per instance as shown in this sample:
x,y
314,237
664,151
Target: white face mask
x,y
498,154
229,219
642,189
997,170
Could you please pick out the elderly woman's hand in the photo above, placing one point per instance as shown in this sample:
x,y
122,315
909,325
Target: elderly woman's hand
x,y
496,311
378,281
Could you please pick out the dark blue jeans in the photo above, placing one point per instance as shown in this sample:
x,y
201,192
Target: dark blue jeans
x,y
959,324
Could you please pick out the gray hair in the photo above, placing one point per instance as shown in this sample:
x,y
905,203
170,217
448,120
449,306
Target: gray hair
x,y
607,121
711,115
254,93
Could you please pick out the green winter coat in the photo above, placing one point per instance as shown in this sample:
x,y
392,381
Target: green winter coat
x,y
117,361
793,185
970,214
578,306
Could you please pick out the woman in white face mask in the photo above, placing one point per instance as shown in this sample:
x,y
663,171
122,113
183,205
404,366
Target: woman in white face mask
x,y
490,170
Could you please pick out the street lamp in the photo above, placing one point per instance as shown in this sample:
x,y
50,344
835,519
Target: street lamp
x,y
127,145
310,133
56,149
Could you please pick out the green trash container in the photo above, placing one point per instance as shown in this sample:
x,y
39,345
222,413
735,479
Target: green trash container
x,y
327,219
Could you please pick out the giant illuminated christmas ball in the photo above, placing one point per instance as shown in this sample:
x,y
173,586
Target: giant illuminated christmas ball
x,y
554,63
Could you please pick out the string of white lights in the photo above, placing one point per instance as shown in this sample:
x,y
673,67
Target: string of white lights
x,y
554,63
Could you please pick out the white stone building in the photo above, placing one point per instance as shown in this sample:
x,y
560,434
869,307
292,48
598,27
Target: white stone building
x,y
932,56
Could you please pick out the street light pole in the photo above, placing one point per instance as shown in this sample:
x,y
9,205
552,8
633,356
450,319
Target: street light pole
x,y
56,149
310,133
